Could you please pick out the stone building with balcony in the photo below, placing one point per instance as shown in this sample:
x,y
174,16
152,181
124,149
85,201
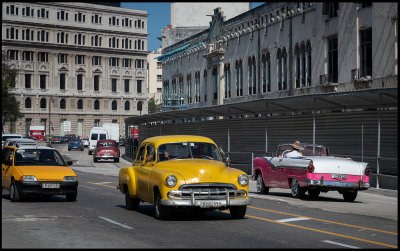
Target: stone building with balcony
x,y
79,62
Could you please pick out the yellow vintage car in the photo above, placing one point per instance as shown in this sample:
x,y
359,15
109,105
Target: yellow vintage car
x,y
37,170
183,171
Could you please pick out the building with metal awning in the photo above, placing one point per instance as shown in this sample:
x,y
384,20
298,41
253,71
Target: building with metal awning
x,y
358,124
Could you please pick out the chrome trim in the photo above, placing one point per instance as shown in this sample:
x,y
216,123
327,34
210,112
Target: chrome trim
x,y
322,183
235,202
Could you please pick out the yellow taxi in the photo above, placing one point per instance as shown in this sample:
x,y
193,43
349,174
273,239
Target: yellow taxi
x,y
183,171
37,170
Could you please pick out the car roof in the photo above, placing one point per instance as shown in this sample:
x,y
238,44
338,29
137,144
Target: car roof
x,y
158,140
21,140
11,134
22,147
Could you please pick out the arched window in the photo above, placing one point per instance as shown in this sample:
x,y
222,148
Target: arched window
x,y
127,106
28,103
239,78
284,55
227,72
297,54
204,85
139,106
43,103
114,105
303,65
215,81
279,58
62,104
308,63
96,105
80,104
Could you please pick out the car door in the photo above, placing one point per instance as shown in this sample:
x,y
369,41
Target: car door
x,y
143,166
6,165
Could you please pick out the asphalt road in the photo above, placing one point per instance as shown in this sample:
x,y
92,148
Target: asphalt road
x,y
99,219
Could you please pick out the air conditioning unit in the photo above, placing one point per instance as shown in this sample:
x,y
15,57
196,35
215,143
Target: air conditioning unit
x,y
323,79
355,74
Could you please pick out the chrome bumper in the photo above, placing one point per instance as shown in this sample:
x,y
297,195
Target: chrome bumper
x,y
196,203
338,184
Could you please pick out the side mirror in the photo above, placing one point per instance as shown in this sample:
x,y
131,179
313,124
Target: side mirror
x,y
222,153
69,162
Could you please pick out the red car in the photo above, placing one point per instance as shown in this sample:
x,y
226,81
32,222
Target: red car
x,y
106,149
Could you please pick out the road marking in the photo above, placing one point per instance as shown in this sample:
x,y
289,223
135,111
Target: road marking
x,y
263,197
86,187
116,223
341,244
324,232
294,219
338,223
105,182
101,184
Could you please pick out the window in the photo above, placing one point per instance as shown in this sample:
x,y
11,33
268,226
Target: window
x,y
126,62
62,81
62,38
114,105
43,57
79,59
279,57
42,81
28,103
298,72
139,63
96,83
43,13
284,55
96,105
252,75
189,88
62,58
12,54
27,55
159,65
114,62
127,106
140,106
43,103
333,7
80,17
308,64
80,104
114,85
28,81
79,39
139,86
97,122
96,19
333,60
366,53
96,60
62,15
126,81
42,36
62,104
79,80
239,78
159,78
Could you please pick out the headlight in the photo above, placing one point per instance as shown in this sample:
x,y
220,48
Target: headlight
x,y
70,178
243,180
29,178
171,181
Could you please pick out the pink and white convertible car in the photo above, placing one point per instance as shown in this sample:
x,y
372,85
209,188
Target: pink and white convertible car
x,y
314,172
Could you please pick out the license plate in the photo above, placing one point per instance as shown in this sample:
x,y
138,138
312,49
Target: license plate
x,y
339,176
50,185
107,154
210,204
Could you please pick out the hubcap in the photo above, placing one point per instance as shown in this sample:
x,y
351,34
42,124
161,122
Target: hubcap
x,y
258,183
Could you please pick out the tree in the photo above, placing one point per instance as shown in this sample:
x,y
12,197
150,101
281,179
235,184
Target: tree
x,y
153,107
9,105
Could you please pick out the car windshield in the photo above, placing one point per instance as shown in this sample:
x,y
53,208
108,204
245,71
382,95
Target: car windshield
x,y
10,137
106,144
38,157
188,150
307,151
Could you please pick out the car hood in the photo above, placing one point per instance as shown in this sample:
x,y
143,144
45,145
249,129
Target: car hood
x,y
198,170
47,173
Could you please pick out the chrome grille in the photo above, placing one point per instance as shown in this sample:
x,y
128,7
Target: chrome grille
x,y
207,190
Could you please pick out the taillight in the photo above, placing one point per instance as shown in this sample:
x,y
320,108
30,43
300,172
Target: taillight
x,y
310,167
367,171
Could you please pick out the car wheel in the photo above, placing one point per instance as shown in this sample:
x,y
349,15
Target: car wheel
x,y
238,212
15,195
72,196
261,188
69,149
313,193
116,160
161,212
95,160
350,196
131,203
89,152
296,190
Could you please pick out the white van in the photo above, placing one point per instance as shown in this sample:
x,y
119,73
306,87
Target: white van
x,y
96,133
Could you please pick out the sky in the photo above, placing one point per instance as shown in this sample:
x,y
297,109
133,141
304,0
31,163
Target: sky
x,y
159,17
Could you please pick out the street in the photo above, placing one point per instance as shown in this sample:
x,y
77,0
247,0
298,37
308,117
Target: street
x,y
99,219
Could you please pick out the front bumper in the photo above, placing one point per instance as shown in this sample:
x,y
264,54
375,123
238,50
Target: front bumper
x,y
337,185
199,199
107,157
35,187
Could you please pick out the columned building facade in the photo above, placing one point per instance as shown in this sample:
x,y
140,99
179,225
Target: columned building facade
x,y
78,62
284,49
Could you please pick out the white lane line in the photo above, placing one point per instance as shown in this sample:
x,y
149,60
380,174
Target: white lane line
x,y
87,187
340,244
293,219
105,182
116,223
266,197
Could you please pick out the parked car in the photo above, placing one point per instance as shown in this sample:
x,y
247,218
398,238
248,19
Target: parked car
x,y
316,171
17,142
6,136
56,139
37,170
96,133
85,141
183,171
75,143
106,149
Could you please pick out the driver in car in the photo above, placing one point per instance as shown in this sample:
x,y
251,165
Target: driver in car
x,y
295,152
